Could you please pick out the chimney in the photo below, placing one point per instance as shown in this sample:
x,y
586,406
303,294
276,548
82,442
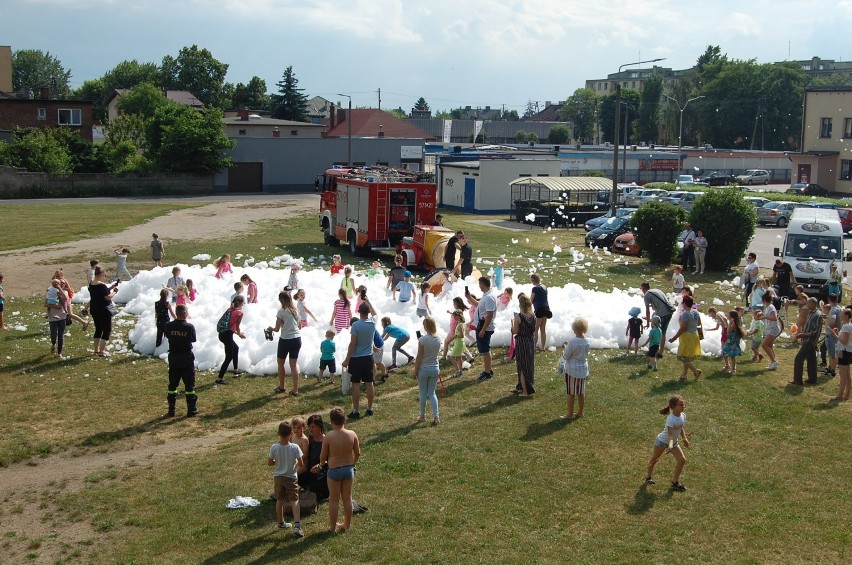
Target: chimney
x,y
381,131
243,113
44,93
332,116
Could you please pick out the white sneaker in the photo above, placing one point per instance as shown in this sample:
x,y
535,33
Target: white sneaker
x,y
772,366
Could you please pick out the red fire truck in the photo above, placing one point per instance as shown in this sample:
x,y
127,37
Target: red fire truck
x,y
374,207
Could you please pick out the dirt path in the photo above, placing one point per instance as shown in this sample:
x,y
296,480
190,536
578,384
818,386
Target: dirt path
x,y
29,490
28,271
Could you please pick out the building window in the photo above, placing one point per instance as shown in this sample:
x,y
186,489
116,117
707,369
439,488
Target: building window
x,y
294,132
69,117
825,127
845,172
847,128
42,114
243,132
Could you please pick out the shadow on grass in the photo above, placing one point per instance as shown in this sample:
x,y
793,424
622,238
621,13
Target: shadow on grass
x,y
538,430
830,404
115,435
457,386
242,407
282,546
482,409
674,385
795,390
394,433
643,501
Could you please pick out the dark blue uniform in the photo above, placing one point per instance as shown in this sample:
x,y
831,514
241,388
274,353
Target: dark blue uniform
x,y
181,336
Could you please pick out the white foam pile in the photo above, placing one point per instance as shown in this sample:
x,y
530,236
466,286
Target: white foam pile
x,y
606,311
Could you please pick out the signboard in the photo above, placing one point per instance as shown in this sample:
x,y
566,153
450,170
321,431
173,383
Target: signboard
x,y
411,152
659,164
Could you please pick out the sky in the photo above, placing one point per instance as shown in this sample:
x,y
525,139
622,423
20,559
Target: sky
x,y
498,53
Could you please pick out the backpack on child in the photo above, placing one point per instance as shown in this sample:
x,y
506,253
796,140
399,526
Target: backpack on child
x,y
224,322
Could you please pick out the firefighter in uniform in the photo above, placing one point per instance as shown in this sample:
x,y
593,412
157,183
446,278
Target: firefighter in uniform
x,y
181,336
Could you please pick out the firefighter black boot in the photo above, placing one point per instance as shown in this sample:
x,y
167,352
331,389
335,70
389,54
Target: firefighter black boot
x,y
171,397
191,399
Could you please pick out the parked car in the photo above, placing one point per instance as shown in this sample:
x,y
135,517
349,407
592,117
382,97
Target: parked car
x,y
823,205
777,213
626,244
672,197
753,176
598,222
684,179
688,199
756,201
717,178
810,189
605,235
639,197
845,220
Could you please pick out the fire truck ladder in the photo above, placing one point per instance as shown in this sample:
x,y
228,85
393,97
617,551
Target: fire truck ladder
x,y
381,217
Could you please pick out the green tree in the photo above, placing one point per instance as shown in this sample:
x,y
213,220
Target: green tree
x,y
197,71
143,99
510,116
522,136
656,226
749,105
252,95
558,134
38,150
442,115
581,109
181,139
290,103
646,128
630,104
124,75
728,223
36,69
421,105
127,128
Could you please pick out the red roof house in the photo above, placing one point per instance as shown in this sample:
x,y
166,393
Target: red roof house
x,y
369,122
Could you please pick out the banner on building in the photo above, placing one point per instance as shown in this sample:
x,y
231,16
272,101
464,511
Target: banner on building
x,y
448,130
477,127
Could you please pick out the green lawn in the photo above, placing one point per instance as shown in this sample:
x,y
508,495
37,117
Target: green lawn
x,y
502,480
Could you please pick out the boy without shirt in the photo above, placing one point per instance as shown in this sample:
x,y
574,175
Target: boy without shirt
x,y
341,451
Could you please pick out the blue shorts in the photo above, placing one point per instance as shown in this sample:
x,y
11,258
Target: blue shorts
x,y
345,473
830,344
483,344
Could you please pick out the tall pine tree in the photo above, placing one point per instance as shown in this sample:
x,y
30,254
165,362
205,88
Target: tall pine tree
x,y
290,104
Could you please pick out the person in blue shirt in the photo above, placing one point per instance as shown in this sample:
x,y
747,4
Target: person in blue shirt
x,y
400,337
406,290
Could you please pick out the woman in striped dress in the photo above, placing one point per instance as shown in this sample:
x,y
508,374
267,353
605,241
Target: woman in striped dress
x,y
341,316
523,328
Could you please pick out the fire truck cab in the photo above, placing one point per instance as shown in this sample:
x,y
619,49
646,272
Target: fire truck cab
x,y
373,208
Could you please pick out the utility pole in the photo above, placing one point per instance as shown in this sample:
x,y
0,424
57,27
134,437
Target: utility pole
x,y
380,98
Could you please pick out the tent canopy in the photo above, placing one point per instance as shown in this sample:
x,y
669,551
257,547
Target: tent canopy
x,y
564,184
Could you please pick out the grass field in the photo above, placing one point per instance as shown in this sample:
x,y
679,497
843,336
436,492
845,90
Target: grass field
x,y
71,222
502,480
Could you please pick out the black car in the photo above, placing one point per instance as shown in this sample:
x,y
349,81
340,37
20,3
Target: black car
x,y
718,178
601,220
605,235
803,189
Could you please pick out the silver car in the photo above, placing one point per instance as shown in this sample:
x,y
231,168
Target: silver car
x,y
639,197
688,199
777,213
754,176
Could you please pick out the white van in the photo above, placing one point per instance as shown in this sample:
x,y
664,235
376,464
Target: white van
x,y
814,242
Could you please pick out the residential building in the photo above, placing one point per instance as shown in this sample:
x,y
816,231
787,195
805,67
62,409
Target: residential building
x,y
46,113
826,156
246,124
180,96
548,114
319,109
823,67
5,68
634,79
369,122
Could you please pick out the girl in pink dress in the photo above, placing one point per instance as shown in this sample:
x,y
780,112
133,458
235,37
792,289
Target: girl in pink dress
x,y
191,292
251,289
341,316
223,265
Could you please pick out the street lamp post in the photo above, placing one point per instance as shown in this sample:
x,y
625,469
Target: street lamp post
x,y
680,132
349,127
624,153
614,197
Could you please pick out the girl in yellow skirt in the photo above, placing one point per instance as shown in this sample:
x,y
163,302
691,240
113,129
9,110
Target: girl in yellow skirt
x,y
689,346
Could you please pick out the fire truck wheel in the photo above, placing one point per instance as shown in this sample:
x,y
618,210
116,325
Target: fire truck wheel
x,y
328,237
353,244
